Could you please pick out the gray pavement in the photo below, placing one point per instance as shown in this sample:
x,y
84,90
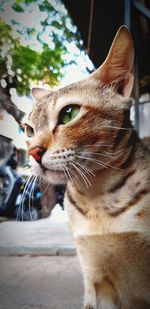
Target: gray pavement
x,y
40,282
39,268
50,236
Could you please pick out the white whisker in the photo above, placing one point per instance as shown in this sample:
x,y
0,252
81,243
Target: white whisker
x,y
116,152
33,190
48,184
96,153
85,168
10,188
23,196
99,145
69,171
65,173
99,162
84,177
20,209
69,175
30,199
120,128
93,160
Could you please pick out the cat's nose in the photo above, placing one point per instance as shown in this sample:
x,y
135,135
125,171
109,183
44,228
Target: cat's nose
x,y
37,153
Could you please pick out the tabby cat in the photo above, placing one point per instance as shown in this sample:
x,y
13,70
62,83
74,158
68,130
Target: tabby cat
x,y
81,135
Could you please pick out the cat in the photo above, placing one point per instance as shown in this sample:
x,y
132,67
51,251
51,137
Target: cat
x,y
82,135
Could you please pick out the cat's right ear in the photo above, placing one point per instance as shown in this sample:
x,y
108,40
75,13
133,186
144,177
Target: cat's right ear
x,y
117,69
39,93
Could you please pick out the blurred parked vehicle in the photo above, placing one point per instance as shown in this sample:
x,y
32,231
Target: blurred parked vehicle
x,y
18,198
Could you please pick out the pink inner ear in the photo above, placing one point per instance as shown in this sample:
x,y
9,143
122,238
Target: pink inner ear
x,y
39,93
118,66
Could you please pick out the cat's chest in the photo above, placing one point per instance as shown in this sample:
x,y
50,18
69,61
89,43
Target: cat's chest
x,y
88,216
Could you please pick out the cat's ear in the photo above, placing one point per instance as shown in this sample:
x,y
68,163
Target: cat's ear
x,y
117,69
39,93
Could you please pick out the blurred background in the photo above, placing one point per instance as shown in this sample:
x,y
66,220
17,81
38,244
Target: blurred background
x,y
53,42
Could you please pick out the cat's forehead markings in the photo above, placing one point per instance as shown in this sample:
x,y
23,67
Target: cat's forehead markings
x,y
81,92
52,103
65,100
52,116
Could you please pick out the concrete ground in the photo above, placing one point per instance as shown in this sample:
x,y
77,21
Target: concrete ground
x,y
40,282
39,267
50,236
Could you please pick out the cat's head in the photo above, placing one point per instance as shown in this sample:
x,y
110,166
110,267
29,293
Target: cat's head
x,y
75,131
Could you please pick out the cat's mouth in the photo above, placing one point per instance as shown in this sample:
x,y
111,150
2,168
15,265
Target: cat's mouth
x,y
53,171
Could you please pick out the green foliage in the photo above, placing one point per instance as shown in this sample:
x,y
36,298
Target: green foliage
x,y
22,64
17,8
145,84
19,65
46,6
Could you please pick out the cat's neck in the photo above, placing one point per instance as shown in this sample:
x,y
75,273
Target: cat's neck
x,y
103,181
108,178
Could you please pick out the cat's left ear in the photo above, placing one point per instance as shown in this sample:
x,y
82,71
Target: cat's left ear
x,y
39,93
117,69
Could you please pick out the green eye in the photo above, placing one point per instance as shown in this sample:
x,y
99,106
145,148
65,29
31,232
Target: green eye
x,y
68,113
29,131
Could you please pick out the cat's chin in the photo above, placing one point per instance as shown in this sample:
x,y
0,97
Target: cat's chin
x,y
56,177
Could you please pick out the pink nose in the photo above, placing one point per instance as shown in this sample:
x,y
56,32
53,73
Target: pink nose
x,y
37,152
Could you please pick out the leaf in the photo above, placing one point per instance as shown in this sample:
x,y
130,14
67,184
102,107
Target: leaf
x,y
71,62
44,23
30,1
56,24
31,31
14,22
16,7
46,6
